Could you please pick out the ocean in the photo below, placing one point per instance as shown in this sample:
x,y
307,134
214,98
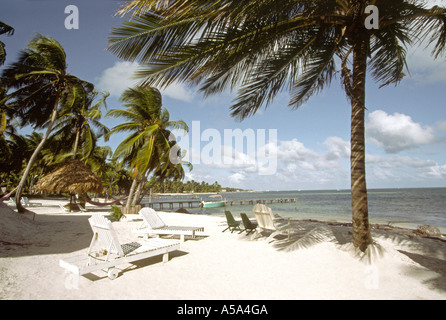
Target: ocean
x,y
400,207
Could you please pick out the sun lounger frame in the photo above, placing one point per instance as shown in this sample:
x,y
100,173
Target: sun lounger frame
x,y
113,253
153,225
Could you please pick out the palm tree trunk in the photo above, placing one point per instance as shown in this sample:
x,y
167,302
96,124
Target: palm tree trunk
x,y
76,143
150,187
18,194
360,216
131,192
137,199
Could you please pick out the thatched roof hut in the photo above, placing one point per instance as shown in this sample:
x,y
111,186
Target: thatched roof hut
x,y
73,176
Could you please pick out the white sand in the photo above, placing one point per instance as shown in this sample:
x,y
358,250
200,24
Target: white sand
x,y
314,264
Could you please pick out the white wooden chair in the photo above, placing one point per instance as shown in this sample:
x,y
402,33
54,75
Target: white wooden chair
x,y
27,203
265,220
153,225
105,251
63,208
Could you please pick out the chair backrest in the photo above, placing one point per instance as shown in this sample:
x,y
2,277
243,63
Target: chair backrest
x,y
105,234
229,218
151,217
264,216
246,222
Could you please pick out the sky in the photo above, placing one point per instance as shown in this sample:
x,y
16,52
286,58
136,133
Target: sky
x,y
277,148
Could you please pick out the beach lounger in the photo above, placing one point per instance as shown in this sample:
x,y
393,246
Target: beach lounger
x,y
105,251
63,208
265,220
27,203
249,225
153,225
232,223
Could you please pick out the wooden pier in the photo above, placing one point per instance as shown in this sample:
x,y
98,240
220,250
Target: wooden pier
x,y
160,205
264,201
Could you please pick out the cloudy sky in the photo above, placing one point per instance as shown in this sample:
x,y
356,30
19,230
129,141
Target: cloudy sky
x,y
278,148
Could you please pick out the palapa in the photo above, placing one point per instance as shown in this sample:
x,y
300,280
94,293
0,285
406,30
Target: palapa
x,y
73,176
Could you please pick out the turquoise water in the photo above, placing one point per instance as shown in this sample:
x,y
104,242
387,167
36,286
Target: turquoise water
x,y
406,207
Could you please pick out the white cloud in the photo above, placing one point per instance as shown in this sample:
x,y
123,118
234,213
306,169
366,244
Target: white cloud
x,y
397,132
118,78
121,76
301,167
338,148
237,178
294,150
178,92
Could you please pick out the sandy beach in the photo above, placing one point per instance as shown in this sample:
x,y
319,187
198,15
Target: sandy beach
x,y
316,263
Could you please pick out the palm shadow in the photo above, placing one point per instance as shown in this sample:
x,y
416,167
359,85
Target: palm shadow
x,y
308,233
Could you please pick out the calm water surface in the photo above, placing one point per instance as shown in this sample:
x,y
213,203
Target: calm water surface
x,y
406,207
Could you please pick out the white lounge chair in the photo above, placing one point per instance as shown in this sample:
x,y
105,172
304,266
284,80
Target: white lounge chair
x,y
153,225
105,251
265,220
63,208
27,203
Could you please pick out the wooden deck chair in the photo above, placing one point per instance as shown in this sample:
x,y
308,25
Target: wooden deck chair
x,y
105,251
153,225
265,220
232,223
249,225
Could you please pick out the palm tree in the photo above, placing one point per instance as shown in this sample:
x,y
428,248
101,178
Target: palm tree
x,y
262,47
148,123
80,125
41,80
8,30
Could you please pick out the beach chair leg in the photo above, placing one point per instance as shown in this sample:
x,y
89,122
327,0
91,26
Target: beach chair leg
x,y
112,273
165,257
182,238
254,235
271,237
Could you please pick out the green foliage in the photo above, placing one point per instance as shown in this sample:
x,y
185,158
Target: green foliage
x,y
177,186
116,213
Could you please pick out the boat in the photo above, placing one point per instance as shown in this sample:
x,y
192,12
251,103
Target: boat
x,y
213,204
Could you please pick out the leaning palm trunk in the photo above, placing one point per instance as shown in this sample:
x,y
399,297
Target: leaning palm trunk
x,y
360,215
33,158
131,192
137,199
76,143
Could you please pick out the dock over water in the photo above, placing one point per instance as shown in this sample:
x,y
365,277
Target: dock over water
x,y
160,205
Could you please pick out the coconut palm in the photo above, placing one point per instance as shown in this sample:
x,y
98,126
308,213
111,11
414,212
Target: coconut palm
x,y
41,80
80,125
8,30
148,124
262,47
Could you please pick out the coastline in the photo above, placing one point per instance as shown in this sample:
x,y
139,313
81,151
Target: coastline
x,y
317,262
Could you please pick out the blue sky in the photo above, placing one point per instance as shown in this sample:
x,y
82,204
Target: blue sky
x,y
405,125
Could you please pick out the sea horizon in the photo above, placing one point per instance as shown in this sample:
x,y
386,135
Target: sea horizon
x,y
405,207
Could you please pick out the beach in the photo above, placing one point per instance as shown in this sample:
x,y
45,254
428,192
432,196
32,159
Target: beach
x,y
317,262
